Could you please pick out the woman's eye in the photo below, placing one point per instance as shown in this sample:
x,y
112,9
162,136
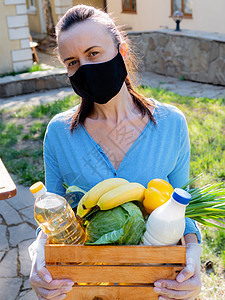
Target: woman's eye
x,y
72,63
94,53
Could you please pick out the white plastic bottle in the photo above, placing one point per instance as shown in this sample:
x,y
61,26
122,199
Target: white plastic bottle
x,y
55,217
166,224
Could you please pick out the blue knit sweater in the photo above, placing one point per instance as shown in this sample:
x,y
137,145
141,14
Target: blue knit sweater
x,y
160,151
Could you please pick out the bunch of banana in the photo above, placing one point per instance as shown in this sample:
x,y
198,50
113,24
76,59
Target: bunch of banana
x,y
110,193
122,194
90,199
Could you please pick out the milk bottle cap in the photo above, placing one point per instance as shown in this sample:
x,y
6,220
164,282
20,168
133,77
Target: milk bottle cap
x,y
181,196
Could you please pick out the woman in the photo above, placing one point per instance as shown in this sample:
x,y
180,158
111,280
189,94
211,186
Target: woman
x,y
115,132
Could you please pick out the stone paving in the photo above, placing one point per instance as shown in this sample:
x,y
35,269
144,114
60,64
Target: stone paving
x,y
17,232
183,87
17,225
35,98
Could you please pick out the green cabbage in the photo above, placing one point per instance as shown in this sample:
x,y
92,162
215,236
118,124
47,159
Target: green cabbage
x,y
122,225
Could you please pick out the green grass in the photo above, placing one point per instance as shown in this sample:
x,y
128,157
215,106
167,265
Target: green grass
x,y
47,110
22,132
21,136
34,68
182,78
213,287
206,122
205,117
213,249
214,243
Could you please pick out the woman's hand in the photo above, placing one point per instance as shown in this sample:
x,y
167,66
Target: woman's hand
x,y
40,278
188,282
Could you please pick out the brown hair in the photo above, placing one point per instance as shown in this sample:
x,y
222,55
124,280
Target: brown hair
x,y
80,13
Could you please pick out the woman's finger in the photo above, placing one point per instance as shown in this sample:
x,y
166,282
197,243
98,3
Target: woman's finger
x,y
188,271
173,285
36,281
174,290
166,298
52,294
63,296
44,274
40,261
172,294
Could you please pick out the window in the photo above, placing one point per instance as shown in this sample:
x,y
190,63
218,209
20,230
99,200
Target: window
x,y
31,7
129,6
185,6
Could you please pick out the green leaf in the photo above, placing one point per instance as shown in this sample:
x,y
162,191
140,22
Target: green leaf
x,y
208,223
127,217
105,221
74,188
108,238
65,185
184,187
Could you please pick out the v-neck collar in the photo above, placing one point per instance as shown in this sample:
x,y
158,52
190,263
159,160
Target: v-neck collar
x,y
149,124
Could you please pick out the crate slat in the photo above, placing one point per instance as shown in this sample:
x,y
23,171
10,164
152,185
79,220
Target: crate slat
x,y
114,254
111,292
128,274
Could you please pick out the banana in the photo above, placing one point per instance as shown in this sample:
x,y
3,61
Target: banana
x,y
81,212
93,195
121,194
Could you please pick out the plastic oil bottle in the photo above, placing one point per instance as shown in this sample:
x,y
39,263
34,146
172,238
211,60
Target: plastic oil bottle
x,y
55,217
166,224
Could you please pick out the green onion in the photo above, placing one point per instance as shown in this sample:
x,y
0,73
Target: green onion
x,y
207,204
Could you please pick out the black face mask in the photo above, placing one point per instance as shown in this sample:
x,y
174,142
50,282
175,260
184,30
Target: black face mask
x,y
100,82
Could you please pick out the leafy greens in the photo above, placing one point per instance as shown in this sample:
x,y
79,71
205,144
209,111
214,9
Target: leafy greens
x,y
122,225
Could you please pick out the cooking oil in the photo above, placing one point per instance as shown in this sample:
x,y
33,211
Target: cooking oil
x,y
55,217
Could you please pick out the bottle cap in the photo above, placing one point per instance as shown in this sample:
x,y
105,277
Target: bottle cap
x,y
181,196
38,189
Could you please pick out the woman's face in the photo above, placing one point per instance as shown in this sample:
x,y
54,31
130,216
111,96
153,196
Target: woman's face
x,y
87,42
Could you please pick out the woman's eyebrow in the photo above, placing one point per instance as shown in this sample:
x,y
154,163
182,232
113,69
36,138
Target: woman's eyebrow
x,y
68,58
88,49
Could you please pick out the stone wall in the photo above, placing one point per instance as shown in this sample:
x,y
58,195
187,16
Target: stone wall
x,y
33,82
191,55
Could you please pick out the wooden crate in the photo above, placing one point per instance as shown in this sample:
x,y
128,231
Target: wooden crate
x,y
134,269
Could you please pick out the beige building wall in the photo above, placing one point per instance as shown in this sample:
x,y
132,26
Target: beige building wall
x,y
6,65
207,15
15,52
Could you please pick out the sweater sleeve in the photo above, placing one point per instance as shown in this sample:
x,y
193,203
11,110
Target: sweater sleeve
x,y
192,227
53,178
180,174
